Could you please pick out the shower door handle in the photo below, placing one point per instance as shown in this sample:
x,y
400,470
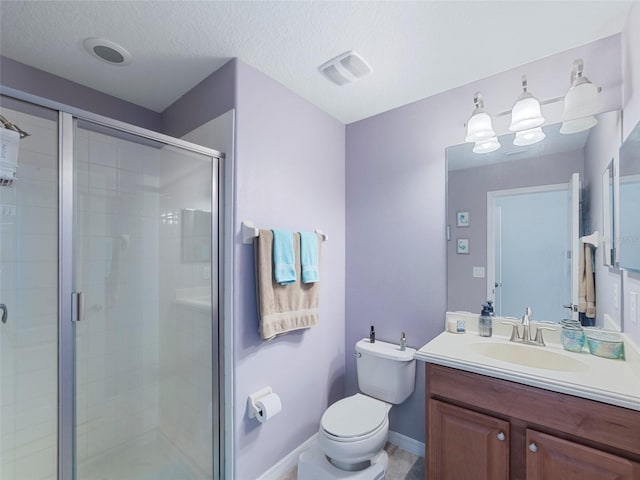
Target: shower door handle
x,y
77,306
5,312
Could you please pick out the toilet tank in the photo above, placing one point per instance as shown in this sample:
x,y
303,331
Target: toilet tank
x,y
384,371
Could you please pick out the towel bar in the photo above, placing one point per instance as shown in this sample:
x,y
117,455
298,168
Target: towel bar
x,y
250,231
591,239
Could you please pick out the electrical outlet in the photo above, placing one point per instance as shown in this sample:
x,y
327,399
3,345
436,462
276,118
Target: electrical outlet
x,y
633,307
478,272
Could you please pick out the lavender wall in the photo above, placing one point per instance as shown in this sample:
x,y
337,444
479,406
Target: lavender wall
x,y
212,97
396,247
631,116
40,83
289,174
467,191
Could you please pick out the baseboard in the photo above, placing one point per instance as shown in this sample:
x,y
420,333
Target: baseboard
x,y
285,465
406,443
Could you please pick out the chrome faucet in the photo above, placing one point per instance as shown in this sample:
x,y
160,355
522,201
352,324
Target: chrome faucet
x,y
526,325
526,330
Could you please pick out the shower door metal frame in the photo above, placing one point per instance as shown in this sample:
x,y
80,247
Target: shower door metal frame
x,y
68,117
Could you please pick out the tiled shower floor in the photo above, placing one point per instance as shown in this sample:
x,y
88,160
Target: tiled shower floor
x,y
155,459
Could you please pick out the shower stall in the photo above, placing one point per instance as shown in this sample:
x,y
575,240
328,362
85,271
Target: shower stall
x,y
110,345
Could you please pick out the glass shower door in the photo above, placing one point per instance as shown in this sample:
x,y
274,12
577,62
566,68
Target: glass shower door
x,y
145,240
29,297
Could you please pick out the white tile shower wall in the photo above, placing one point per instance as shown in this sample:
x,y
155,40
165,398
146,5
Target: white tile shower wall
x,y
117,256
28,286
185,332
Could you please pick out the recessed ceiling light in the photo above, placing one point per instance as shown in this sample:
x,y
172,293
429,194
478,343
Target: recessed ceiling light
x,y
107,51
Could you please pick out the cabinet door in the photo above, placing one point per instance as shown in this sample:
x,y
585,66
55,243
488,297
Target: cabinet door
x,y
551,458
466,445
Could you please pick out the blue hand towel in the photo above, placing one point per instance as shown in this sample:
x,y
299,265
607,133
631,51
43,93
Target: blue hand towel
x,y
284,258
309,257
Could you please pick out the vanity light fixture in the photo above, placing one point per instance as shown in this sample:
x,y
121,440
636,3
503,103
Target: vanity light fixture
x,y
578,125
581,102
487,145
529,137
526,113
479,125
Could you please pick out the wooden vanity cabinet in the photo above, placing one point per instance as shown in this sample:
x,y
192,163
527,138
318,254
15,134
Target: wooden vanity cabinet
x,y
480,427
550,457
457,428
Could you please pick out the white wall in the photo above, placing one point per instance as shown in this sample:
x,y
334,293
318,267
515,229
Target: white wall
x,y
117,268
185,386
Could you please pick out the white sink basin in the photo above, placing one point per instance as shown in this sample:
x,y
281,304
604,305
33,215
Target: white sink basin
x,y
529,356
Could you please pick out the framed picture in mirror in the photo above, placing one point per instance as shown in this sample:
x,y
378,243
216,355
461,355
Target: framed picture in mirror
x,y
462,219
462,246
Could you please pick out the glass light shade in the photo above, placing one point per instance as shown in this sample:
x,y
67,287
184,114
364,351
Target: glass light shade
x,y
526,113
578,125
529,137
479,126
487,145
582,100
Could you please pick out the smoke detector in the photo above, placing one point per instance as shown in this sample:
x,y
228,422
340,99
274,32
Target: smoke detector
x,y
107,51
345,68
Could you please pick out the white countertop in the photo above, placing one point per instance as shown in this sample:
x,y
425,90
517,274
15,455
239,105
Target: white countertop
x,y
616,382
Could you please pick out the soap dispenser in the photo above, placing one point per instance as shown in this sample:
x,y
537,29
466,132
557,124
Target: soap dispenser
x,y
485,322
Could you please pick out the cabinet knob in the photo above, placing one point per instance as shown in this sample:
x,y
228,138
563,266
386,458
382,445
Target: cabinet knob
x,y
501,436
533,447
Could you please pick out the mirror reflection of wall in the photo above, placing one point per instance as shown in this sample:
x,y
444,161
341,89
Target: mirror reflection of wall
x,y
629,230
470,178
547,165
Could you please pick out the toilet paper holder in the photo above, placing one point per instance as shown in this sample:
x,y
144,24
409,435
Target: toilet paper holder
x,y
254,397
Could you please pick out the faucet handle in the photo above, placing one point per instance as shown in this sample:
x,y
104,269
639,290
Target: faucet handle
x,y
515,333
539,340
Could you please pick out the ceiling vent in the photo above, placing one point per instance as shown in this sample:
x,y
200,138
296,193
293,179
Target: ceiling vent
x,y
345,68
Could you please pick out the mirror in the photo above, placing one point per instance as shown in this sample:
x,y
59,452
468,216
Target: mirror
x,y
629,181
196,235
514,218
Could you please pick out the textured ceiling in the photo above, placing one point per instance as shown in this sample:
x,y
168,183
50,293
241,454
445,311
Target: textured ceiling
x,y
416,49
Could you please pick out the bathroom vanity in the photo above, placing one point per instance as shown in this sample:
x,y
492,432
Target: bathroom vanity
x,y
503,419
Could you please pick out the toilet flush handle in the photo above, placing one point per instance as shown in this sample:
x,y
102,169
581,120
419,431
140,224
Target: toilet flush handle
x,y
357,354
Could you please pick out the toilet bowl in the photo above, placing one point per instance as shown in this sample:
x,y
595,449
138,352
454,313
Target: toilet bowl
x,y
353,431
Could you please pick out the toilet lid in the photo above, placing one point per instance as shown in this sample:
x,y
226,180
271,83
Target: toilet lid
x,y
354,416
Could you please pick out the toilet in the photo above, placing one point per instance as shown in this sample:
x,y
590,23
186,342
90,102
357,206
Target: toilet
x,y
353,431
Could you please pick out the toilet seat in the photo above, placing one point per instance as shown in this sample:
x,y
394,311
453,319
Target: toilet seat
x,y
354,418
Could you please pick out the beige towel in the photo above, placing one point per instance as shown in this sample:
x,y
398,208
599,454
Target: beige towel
x,y
586,282
283,308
